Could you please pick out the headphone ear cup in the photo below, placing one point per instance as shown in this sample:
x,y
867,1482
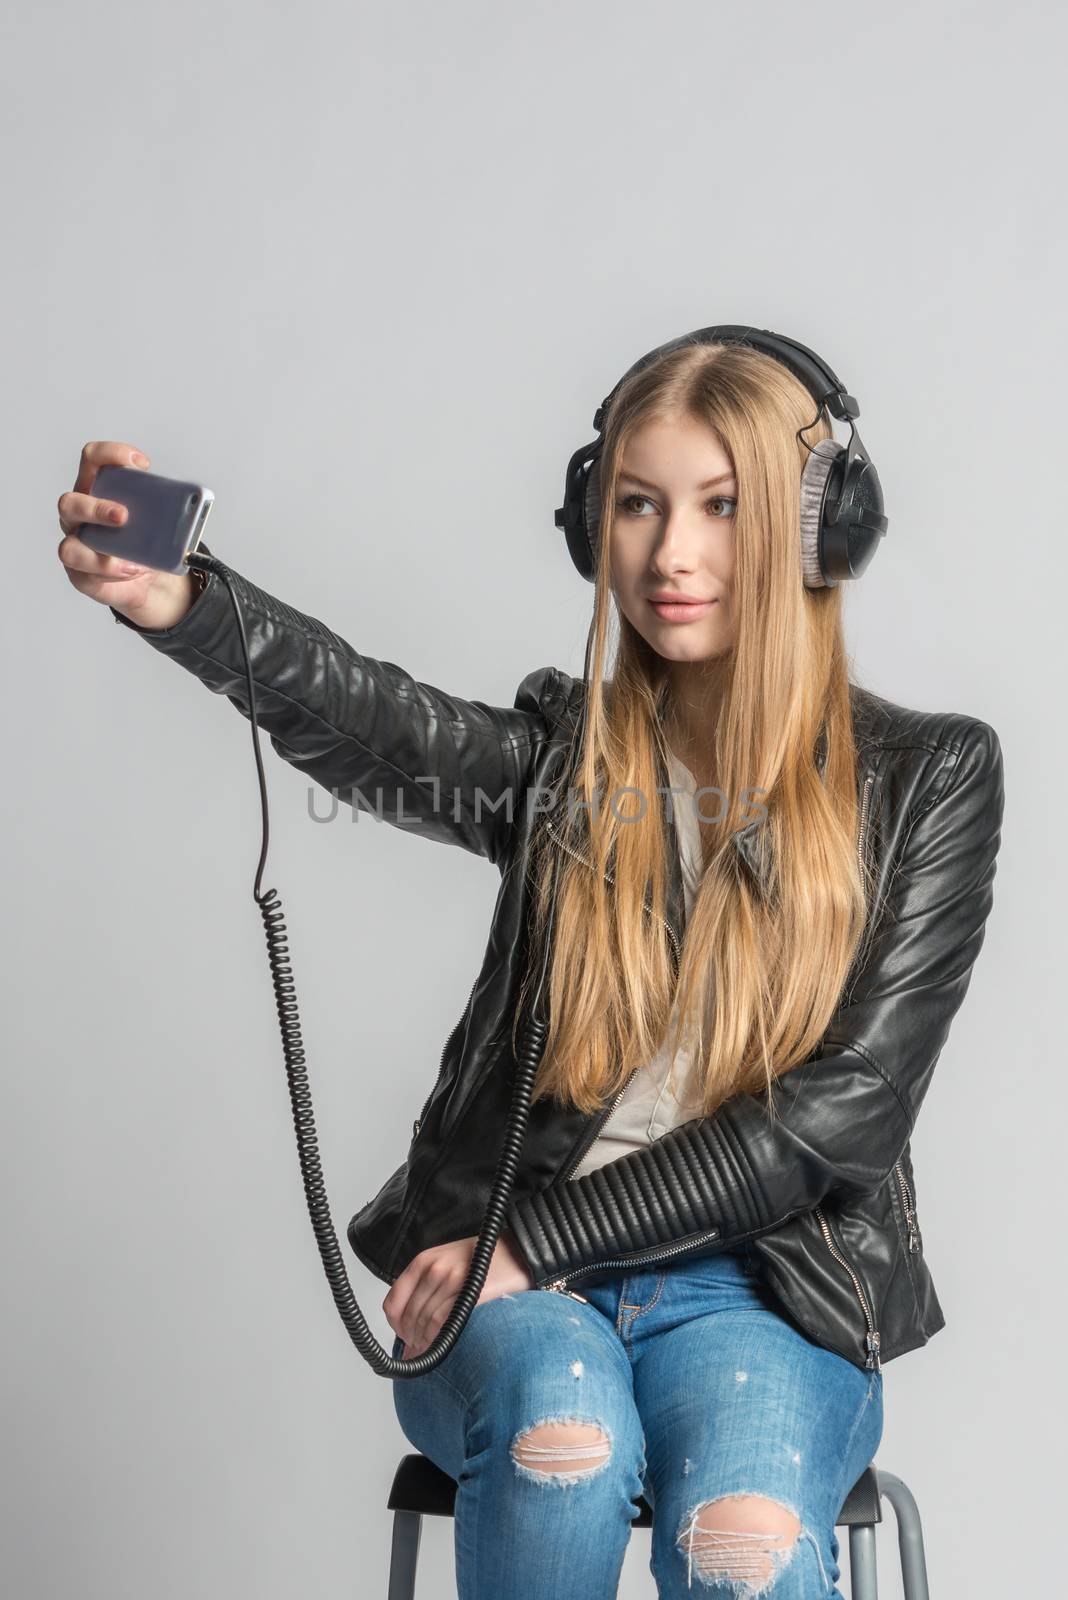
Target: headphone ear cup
x,y
814,482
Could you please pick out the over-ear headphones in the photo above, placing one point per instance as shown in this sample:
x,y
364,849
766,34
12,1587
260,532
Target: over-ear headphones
x,y
842,517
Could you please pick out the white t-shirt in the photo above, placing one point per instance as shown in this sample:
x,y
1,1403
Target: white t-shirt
x,y
648,1107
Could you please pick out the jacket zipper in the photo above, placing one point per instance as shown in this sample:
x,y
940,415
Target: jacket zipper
x,y
862,830
641,1258
910,1210
872,1337
417,1124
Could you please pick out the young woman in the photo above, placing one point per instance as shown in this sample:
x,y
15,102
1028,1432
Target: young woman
x,y
771,888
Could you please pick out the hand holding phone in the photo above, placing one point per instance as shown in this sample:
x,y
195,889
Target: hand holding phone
x,y
125,533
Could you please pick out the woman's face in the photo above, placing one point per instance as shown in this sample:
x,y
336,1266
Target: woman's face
x,y
674,536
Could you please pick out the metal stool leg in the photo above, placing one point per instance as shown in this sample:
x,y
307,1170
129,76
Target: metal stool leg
x,y
863,1578
407,1527
909,1536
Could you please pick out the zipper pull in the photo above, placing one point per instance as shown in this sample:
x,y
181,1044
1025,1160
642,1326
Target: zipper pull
x,y
914,1232
557,1287
416,1125
873,1341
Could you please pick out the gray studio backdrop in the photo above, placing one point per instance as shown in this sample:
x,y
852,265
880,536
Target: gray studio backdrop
x,y
367,273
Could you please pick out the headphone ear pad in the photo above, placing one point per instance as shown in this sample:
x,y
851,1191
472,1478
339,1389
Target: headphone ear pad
x,y
814,481
591,518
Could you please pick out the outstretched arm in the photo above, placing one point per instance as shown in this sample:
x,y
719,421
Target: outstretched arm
x,y
453,770
842,1117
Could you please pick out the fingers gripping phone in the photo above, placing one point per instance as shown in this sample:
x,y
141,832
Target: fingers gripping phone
x,y
165,518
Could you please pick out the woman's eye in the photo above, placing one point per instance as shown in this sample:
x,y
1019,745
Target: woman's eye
x,y
723,500
625,504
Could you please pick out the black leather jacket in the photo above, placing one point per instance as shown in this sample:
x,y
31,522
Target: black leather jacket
x,y
824,1193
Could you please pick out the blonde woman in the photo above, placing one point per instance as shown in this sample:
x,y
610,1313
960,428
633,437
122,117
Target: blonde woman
x,y
772,885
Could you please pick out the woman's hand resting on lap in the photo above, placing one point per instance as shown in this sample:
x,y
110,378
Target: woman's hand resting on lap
x,y
421,1297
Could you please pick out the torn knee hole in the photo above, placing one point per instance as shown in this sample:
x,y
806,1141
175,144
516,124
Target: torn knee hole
x,y
746,1539
562,1449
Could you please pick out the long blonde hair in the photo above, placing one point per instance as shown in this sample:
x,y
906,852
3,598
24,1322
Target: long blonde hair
x,y
762,967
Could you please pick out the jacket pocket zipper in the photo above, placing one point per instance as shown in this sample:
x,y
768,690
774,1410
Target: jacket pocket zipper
x,y
872,1338
911,1221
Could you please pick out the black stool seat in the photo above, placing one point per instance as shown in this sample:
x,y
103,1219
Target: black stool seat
x,y
422,1487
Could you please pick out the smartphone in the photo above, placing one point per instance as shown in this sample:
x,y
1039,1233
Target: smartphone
x,y
165,518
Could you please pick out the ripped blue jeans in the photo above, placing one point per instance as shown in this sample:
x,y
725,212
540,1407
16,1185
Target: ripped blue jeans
x,y
684,1385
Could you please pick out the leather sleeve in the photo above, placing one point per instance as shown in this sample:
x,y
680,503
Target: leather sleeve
x,y
452,770
841,1118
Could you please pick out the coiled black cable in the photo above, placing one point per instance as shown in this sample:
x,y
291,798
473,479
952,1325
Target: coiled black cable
x,y
528,1057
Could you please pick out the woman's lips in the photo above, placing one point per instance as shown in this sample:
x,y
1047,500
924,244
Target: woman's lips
x,y
682,611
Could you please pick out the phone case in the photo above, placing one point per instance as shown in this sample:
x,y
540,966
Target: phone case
x,y
166,518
